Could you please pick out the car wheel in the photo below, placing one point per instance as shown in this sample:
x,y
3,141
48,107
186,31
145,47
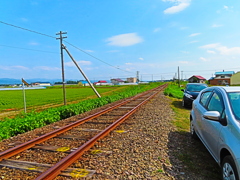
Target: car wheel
x,y
229,170
192,131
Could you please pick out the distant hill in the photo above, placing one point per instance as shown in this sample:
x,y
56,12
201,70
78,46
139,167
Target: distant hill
x,y
9,81
19,81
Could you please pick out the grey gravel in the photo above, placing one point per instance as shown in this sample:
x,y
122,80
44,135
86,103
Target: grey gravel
x,y
142,151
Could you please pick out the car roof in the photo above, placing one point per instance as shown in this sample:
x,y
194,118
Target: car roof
x,y
228,88
225,88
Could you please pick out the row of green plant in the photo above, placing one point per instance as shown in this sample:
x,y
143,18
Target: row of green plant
x,y
29,121
174,90
39,97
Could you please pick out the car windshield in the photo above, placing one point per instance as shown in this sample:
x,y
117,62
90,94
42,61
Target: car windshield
x,y
234,98
196,87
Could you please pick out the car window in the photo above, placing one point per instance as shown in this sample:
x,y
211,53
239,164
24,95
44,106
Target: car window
x,y
234,98
215,103
204,97
195,87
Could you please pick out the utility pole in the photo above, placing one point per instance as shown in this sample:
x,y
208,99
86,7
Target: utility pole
x,y
64,47
62,62
178,77
138,77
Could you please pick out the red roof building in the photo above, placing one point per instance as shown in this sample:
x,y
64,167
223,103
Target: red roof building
x,y
197,79
99,82
117,81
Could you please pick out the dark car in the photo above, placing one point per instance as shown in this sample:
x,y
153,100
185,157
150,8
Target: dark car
x,y
191,92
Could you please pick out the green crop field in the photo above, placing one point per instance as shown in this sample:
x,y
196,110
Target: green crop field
x,y
23,122
13,99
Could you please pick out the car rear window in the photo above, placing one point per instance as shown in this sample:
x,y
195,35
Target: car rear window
x,y
195,88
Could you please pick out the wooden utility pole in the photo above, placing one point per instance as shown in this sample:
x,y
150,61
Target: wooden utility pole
x,y
64,47
62,62
178,77
137,76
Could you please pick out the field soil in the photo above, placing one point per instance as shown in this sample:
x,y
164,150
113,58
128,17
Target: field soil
x,y
150,147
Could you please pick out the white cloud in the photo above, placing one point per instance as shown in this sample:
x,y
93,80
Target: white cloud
x,y
4,68
228,51
216,25
203,59
211,52
210,46
47,68
183,62
24,19
180,5
193,42
20,67
141,59
124,40
194,34
183,28
225,7
185,52
33,43
113,51
89,50
223,50
14,68
71,64
128,63
156,30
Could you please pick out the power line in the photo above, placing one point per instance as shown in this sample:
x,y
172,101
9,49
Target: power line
x,y
27,29
28,49
66,42
210,70
160,73
96,58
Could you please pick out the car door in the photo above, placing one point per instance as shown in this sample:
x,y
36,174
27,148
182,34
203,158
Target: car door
x,y
210,128
199,109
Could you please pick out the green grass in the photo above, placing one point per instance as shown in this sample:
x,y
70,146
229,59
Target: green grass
x,y
13,99
28,121
173,90
191,152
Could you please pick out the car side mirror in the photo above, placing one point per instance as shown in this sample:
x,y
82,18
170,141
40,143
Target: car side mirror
x,y
212,115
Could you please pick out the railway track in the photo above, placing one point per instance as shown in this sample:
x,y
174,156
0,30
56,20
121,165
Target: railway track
x,y
65,145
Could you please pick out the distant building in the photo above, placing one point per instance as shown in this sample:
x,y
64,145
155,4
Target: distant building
x,y
41,84
235,79
99,82
197,79
222,78
102,83
87,84
132,80
117,81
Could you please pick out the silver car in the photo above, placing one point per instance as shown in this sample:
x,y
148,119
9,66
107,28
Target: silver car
x,y
215,120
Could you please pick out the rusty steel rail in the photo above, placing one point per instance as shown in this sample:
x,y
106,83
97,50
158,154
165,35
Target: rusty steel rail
x,y
68,160
55,170
27,145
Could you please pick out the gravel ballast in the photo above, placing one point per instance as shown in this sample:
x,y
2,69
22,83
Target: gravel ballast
x,y
142,149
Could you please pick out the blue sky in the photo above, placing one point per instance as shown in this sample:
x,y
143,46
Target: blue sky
x,y
117,38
